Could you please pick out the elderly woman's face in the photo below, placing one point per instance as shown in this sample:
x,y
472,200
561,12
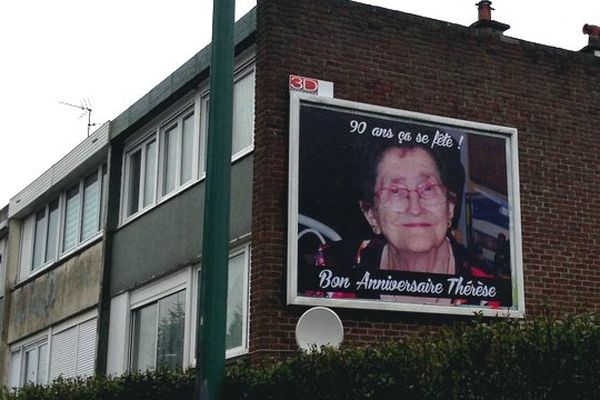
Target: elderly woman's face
x,y
411,206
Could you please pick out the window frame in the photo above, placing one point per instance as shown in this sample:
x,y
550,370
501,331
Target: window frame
x,y
241,73
142,147
152,293
134,328
22,348
47,337
196,103
245,69
244,250
154,131
29,236
33,267
123,306
3,242
177,123
234,251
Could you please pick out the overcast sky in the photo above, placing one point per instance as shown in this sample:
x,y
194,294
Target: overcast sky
x,y
110,53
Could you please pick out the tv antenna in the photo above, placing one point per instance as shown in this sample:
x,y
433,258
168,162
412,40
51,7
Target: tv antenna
x,y
86,106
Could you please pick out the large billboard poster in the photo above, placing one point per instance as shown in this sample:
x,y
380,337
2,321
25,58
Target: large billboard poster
x,y
396,210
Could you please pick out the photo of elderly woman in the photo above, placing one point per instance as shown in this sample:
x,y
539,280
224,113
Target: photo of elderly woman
x,y
411,200
388,212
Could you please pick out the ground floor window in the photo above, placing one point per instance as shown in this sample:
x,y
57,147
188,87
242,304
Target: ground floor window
x,y
158,333
65,350
237,303
29,364
154,326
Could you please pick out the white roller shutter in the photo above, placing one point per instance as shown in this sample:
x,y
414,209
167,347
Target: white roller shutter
x,y
63,356
73,351
86,353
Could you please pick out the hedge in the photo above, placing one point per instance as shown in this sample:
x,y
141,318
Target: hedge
x,y
154,385
543,358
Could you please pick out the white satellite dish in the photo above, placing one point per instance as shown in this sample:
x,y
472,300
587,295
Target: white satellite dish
x,y
318,327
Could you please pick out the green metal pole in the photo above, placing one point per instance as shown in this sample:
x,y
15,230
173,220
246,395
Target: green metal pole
x,y
212,299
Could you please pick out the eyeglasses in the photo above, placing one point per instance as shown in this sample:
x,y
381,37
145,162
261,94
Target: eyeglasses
x,y
397,197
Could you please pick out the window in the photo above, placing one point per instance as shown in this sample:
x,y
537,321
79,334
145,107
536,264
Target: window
x,y
149,177
242,139
63,224
73,351
243,114
2,262
178,141
90,217
71,223
45,235
140,187
236,329
171,155
154,326
158,333
66,350
29,364
237,303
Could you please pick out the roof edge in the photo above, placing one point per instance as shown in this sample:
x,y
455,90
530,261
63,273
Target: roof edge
x,y
200,62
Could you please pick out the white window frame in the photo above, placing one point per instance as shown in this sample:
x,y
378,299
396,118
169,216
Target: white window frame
x,y
245,69
45,337
44,262
155,131
124,305
142,147
28,234
198,103
2,265
152,293
177,123
22,347
240,74
244,348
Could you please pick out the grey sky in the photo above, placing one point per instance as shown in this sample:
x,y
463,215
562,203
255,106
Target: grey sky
x,y
111,52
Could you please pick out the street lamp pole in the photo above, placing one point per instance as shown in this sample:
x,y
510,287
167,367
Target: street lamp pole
x,y
212,296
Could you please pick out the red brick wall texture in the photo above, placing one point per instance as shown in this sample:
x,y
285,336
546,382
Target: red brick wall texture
x,y
388,58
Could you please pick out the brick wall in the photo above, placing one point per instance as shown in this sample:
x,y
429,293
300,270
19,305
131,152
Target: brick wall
x,y
403,61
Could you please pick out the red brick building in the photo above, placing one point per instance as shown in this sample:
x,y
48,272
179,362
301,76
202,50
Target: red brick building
x,y
478,73
102,252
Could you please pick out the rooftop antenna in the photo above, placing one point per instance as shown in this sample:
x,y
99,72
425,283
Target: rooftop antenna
x,y
86,106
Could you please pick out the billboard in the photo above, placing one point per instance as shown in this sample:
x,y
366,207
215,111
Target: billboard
x,y
396,210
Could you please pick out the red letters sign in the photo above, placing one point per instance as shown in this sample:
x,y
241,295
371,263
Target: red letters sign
x,y
311,86
303,84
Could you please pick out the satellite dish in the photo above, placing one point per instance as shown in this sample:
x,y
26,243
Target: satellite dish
x,y
318,327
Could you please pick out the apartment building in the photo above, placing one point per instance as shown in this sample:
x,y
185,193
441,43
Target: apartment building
x,y
53,266
102,252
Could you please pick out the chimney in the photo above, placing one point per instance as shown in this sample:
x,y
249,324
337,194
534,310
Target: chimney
x,y
593,32
485,21
484,9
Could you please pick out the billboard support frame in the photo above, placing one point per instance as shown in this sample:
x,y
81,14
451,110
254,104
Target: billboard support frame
x,y
297,100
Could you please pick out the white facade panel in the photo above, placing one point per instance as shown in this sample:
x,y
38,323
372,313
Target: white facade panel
x,y
118,350
95,143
